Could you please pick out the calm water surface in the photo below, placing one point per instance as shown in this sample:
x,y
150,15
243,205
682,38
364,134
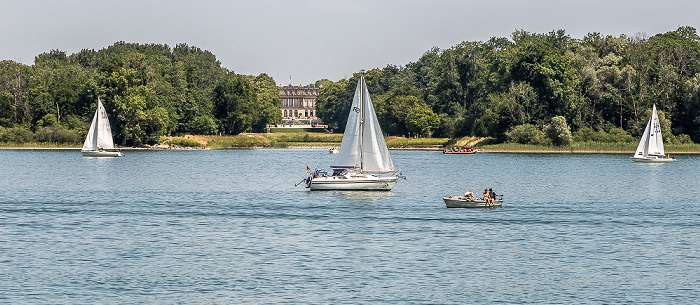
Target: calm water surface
x,y
230,227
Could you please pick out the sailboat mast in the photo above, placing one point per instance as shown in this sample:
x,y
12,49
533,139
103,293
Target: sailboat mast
x,y
97,124
362,123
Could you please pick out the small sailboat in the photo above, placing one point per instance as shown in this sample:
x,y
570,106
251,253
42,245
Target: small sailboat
x,y
363,162
98,142
651,146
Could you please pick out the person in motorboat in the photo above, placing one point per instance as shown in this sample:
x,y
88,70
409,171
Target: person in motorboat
x,y
486,196
493,195
469,196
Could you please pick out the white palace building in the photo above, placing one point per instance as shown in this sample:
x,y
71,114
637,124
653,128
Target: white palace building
x,y
299,105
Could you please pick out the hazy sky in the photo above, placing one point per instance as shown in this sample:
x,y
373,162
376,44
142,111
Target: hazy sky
x,y
316,39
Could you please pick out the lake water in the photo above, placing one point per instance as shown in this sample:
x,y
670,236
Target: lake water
x,y
195,227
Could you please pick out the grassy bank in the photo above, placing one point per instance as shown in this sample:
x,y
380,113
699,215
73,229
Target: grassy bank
x,y
324,140
297,130
304,139
585,147
41,145
401,142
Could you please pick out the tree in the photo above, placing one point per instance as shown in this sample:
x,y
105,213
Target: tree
x,y
130,110
14,104
526,134
235,104
558,131
333,103
421,120
392,108
269,101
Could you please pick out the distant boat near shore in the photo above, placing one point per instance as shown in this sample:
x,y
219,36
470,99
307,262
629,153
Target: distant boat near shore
x,y
98,142
651,145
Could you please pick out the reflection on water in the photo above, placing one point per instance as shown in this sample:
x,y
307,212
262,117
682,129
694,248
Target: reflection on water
x,y
364,197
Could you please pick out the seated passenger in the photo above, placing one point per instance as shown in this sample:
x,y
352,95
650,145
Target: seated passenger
x,y
469,196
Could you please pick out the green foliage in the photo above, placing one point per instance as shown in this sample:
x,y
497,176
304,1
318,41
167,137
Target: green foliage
x,y
526,134
615,135
238,141
149,90
487,88
47,120
421,120
235,104
404,142
16,135
558,131
57,134
306,137
393,108
186,142
204,125
476,88
333,103
269,102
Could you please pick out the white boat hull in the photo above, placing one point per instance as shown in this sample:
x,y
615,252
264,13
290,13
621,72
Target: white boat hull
x,y
344,183
653,159
459,202
101,153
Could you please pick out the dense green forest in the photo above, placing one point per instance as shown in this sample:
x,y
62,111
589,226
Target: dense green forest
x,y
148,90
536,88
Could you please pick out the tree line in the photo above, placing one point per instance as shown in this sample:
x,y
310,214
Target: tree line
x,y
536,87
149,90
529,88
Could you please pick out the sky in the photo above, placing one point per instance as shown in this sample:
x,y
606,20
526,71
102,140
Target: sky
x,y
308,40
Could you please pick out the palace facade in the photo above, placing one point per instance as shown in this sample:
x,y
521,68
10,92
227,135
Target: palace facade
x,y
299,104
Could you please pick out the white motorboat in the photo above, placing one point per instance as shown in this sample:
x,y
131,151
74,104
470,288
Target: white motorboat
x,y
651,146
363,162
98,142
464,202
333,150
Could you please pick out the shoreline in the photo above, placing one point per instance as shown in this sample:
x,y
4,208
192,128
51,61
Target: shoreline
x,y
416,148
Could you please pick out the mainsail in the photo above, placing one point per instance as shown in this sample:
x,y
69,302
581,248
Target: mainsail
x,y
652,143
100,134
363,147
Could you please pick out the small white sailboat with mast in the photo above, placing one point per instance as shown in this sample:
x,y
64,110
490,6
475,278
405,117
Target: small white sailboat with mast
x,y
651,146
363,162
98,142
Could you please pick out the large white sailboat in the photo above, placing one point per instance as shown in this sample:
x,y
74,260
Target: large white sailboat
x,y
651,146
98,142
363,162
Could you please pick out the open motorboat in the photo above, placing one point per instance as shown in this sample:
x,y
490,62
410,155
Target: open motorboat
x,y
465,202
459,151
651,146
98,142
363,162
